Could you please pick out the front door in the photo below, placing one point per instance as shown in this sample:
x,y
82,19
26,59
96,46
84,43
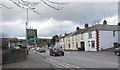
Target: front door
x,y
82,46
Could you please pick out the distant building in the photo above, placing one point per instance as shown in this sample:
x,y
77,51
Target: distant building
x,y
71,41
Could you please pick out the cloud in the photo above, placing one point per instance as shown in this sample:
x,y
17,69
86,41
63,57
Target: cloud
x,y
47,28
13,29
57,22
51,27
74,11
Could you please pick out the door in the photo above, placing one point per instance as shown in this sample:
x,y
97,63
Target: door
x,y
82,46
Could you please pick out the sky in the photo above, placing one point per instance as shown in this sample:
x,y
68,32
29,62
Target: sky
x,y
52,22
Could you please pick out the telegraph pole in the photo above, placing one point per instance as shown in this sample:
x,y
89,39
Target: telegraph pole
x,y
26,27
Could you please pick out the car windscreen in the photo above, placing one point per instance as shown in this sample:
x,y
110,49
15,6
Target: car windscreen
x,y
59,49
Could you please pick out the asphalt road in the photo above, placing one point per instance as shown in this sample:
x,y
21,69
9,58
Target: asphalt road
x,y
77,59
72,59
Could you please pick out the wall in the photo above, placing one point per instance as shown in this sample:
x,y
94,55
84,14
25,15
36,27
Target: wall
x,y
88,44
119,37
106,39
14,56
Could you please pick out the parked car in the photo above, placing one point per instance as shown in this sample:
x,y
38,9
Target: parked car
x,y
41,50
38,48
56,51
117,51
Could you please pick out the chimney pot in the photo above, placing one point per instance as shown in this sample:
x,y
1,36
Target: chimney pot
x,y
104,22
77,28
86,25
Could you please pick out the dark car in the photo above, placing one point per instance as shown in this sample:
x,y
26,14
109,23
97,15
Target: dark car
x,y
117,51
41,50
56,51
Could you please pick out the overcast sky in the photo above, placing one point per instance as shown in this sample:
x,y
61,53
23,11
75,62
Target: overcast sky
x,y
53,22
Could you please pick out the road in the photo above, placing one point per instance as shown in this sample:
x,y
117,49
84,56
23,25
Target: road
x,y
77,59
72,59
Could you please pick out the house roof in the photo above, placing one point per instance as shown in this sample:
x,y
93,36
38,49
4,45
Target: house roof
x,y
102,27
78,32
67,35
93,28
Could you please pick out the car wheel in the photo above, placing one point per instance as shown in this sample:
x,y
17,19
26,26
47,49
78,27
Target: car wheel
x,y
118,54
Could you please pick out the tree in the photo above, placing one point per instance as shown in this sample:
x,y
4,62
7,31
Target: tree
x,y
54,39
31,5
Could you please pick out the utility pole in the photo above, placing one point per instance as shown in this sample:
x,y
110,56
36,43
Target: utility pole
x,y
26,27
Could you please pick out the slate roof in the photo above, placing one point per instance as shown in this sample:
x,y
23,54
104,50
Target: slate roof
x,y
93,28
78,32
102,27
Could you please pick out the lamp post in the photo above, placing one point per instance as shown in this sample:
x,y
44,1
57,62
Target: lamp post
x,y
26,28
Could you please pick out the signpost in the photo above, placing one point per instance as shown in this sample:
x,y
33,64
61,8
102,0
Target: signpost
x,y
32,35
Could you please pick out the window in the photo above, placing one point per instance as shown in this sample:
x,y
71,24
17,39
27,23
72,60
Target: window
x,y
64,46
69,45
93,44
89,43
76,37
113,33
68,38
72,38
90,34
76,45
115,44
73,44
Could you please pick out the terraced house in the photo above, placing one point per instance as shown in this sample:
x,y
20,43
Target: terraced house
x,y
94,38
71,41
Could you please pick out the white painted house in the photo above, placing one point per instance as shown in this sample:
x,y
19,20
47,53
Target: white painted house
x,y
100,36
94,38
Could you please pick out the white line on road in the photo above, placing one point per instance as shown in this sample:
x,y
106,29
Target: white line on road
x,y
64,64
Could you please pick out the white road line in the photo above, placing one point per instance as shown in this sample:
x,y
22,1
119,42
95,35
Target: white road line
x,y
64,64
54,63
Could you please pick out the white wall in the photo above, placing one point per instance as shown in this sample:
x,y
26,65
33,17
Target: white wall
x,y
119,37
86,39
106,39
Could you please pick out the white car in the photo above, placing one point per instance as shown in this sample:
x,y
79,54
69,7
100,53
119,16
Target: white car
x,y
38,48
17,47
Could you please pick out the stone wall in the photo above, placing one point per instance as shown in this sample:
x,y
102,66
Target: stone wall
x,y
9,56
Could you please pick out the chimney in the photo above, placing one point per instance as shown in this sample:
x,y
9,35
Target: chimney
x,y
86,25
104,22
77,28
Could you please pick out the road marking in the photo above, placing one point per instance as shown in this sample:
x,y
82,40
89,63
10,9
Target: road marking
x,y
64,64
56,62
